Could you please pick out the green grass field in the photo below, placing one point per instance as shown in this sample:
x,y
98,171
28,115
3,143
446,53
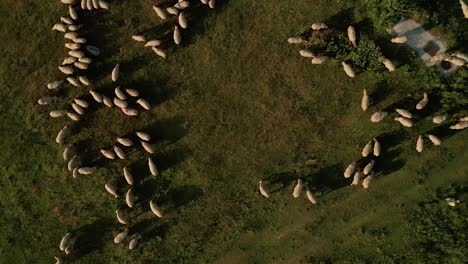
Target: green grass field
x,y
232,105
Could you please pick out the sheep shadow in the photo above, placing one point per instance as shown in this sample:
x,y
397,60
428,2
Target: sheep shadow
x,y
180,196
389,160
92,237
341,20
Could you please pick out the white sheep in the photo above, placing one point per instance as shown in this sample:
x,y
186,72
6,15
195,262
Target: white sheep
x,y
68,152
352,36
153,43
83,4
319,59
46,100
406,122
306,53
464,8
73,13
421,104
350,169
120,153
160,12
177,36
128,176
80,40
439,119
57,260
357,177
367,149
152,167
182,20
121,236
96,96
65,241
378,116
119,93
182,5
115,73
125,141
130,111
66,69
132,92
73,163
148,147
67,20
212,4
108,154
143,103
103,4
311,196
61,135
298,188
86,170
85,60
57,113
365,100
78,108
60,27
368,168
74,27
161,53
68,2
404,113
81,102
70,245
75,173
388,64
460,125
69,60
295,40
367,180
435,140
456,61
72,46
399,40
420,144
130,198
120,103
73,116
143,136
89,5
465,118
263,192
134,242
111,189
76,53
54,85
155,209
80,65
95,4
348,70
139,38
172,10
318,26
120,217
377,148
107,102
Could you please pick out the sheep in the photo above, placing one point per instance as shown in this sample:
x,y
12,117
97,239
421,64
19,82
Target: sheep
x,y
115,73
80,40
368,168
74,27
155,209
139,38
57,260
46,100
172,10
350,169
420,144
66,20
73,163
306,53
108,154
177,36
83,4
84,80
367,149
182,20
87,170
76,53
376,147
61,135
148,147
75,173
297,189
121,236
421,104
89,4
57,113
60,27
68,2
80,65
66,69
406,122
134,242
212,4
161,53
367,180
54,85
205,2
152,167
85,60
68,152
464,8
95,4
439,119
456,61
93,50
128,176
125,142
103,4
388,64
120,103
399,40
404,113
73,116
319,59
311,196
143,136
120,217
119,93
143,103
130,198
182,5
365,100
378,116
263,192
465,118
64,241
160,12
107,102
70,245
73,81
77,108
132,92
111,189
69,60
348,70
357,177
96,96
73,46
295,40
153,43
120,153
130,111
81,102
352,36
435,140
460,125
318,26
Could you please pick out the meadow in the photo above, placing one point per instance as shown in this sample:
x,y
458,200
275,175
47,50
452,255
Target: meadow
x,y
232,105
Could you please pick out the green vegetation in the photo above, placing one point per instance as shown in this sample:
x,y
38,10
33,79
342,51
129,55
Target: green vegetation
x,y
233,105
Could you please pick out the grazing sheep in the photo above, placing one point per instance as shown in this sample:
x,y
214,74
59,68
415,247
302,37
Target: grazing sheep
x,y
182,20
160,12
318,26
350,170
130,198
172,10
85,60
76,53
365,100
46,100
298,188
161,53
103,4
74,27
388,64
93,50
464,8
263,192
120,94
81,102
456,61
54,85
121,236
153,43
465,118
421,104
75,173
155,209
68,152
420,144
132,92
130,111
95,4
115,73
439,119
404,113
368,168
73,163
177,36
460,125
73,116
311,196
125,142
319,59
435,140
60,27
57,260
348,70
120,217
152,167
86,170
143,136
57,113
65,241
134,242
406,122
68,2
378,116
73,46
143,103
120,103
212,4
120,153
96,96
89,4
107,102
69,60
357,177
182,5
73,13
139,38
61,135
367,180
80,40
306,53
80,65
111,189
128,176
376,147
66,69
399,40
352,36
108,154
66,20
84,80
83,4
148,147
295,40
77,108
367,149
70,245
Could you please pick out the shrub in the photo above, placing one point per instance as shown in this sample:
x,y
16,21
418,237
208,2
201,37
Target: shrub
x,y
367,56
385,13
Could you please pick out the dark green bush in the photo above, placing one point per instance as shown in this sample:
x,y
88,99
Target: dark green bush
x,y
385,13
367,56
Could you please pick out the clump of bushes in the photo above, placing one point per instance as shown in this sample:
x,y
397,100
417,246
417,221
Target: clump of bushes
x,y
367,56
385,13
